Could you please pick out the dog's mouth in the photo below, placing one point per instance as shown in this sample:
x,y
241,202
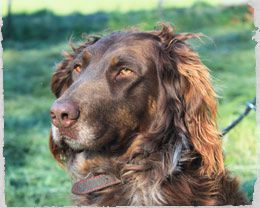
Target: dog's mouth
x,y
69,137
77,143
73,143
71,140
79,139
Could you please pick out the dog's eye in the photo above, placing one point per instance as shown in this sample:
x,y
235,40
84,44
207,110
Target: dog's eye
x,y
77,68
125,72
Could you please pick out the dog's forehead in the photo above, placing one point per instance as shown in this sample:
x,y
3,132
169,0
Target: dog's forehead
x,y
121,41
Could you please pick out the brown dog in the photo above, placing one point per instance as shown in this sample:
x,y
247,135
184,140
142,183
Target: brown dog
x,y
134,123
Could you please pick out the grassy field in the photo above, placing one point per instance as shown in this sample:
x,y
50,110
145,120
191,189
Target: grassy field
x,y
32,176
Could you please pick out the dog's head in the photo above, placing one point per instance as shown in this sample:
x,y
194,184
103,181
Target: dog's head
x,y
131,92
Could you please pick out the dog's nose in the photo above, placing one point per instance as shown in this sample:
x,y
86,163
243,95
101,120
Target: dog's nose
x,y
64,114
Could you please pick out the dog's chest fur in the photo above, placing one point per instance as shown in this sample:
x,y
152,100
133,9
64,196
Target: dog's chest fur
x,y
151,188
135,189
131,194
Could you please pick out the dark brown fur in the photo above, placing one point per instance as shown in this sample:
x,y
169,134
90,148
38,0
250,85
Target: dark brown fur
x,y
160,134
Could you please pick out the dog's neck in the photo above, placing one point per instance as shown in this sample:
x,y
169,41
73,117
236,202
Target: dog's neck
x,y
134,159
85,163
88,164
140,174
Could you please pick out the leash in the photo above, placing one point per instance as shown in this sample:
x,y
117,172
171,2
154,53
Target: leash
x,y
249,106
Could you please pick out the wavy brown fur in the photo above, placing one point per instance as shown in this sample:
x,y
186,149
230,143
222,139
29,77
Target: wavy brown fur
x,y
178,159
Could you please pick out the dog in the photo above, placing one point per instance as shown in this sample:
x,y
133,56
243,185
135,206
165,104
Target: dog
x,y
134,123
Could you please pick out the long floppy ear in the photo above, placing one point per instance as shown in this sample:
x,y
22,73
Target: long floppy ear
x,y
62,79
195,91
56,150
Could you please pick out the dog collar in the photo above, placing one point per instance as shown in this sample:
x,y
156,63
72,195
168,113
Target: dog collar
x,y
95,183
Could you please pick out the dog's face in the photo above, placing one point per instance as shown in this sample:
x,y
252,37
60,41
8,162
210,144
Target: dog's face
x,y
112,92
134,92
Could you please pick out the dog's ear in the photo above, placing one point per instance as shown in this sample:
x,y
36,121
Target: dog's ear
x,y
56,151
187,80
62,79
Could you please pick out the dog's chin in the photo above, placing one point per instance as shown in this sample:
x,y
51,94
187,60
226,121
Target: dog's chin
x,y
73,144
79,144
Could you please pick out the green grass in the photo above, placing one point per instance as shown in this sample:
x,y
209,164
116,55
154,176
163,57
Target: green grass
x,y
32,176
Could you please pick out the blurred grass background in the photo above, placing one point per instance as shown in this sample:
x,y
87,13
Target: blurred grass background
x,y
40,30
